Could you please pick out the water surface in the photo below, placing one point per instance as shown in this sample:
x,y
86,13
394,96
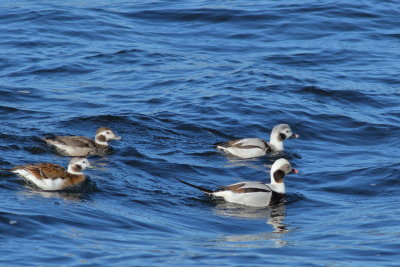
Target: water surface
x,y
172,78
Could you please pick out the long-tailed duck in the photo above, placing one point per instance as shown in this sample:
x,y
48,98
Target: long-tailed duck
x,y
53,177
256,147
80,146
253,193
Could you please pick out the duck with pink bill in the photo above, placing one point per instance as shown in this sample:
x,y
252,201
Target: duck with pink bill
x,y
254,193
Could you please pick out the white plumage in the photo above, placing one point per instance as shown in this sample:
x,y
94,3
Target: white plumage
x,y
256,147
254,193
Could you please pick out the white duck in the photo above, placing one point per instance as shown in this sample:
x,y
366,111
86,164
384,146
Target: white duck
x,y
254,193
256,147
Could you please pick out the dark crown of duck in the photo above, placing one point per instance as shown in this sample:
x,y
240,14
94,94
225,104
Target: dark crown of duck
x,y
102,129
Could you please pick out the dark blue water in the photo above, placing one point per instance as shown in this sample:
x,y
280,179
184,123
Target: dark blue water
x,y
172,78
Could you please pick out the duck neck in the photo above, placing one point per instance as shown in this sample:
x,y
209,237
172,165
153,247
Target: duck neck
x,y
278,187
101,141
276,142
74,169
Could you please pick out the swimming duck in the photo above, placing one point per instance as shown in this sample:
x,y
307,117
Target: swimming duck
x,y
254,193
53,177
256,147
80,146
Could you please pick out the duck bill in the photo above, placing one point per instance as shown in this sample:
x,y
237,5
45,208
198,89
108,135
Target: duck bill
x,y
117,137
294,171
90,167
295,136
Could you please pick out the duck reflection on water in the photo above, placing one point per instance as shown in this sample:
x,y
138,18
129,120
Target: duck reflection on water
x,y
273,216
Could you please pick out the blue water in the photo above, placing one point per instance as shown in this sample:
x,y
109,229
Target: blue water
x,y
174,77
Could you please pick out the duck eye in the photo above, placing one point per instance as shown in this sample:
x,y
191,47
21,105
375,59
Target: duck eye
x,y
107,132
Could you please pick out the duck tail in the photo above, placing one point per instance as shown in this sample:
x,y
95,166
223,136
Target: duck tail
x,y
220,145
3,170
203,189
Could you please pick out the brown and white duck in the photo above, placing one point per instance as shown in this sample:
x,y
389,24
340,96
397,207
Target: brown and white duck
x,y
256,147
53,177
254,193
80,146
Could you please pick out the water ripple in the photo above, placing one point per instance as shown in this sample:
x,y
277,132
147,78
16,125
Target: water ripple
x,y
173,79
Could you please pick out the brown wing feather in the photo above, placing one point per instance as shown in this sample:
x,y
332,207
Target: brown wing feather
x,y
75,141
52,171
35,171
237,188
268,147
233,188
234,143
46,170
